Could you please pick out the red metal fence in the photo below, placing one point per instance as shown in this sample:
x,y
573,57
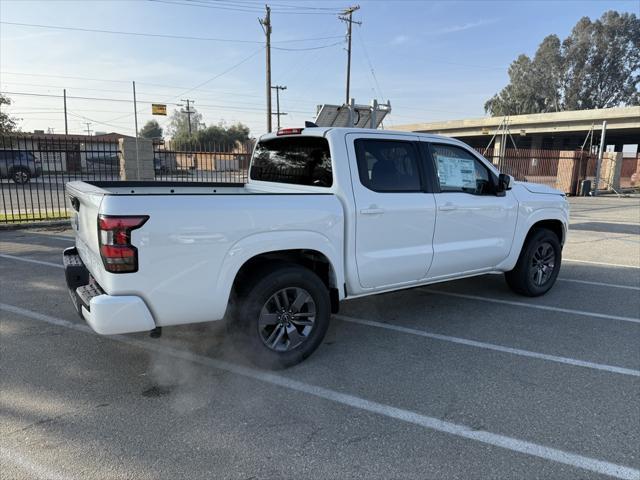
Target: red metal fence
x,y
566,169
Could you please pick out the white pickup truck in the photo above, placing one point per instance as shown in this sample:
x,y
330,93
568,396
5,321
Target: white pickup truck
x,y
328,214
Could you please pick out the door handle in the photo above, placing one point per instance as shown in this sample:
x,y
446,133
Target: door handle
x,y
447,207
372,211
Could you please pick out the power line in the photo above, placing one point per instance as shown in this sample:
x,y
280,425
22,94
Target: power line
x,y
157,35
221,73
373,73
31,94
244,8
122,100
258,3
308,48
174,87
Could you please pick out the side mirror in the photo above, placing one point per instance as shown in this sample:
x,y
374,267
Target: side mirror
x,y
505,182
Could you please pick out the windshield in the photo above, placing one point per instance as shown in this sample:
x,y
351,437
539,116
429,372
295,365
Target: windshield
x,y
295,160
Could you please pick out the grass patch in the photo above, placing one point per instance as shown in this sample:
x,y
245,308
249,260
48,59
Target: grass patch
x,y
33,216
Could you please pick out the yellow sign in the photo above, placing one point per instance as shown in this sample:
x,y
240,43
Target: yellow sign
x,y
158,109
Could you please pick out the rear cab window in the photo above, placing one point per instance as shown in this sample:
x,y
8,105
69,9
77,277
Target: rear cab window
x,y
295,160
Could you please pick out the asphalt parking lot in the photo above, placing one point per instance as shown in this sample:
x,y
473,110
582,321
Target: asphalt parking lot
x,y
462,380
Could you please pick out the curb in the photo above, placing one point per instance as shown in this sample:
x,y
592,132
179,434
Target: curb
x,y
36,224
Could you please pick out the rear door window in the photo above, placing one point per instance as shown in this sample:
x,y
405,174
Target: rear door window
x,y
295,160
388,165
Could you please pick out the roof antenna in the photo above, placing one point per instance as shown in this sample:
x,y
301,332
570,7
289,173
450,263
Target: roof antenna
x,y
308,124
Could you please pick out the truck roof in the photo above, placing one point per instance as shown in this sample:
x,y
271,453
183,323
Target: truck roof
x,y
322,131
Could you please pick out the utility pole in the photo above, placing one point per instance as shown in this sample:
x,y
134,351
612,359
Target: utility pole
x,y
88,128
188,112
277,88
66,128
266,28
347,16
135,114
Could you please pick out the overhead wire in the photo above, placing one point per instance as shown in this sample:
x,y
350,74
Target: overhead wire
x,y
160,35
371,69
259,3
138,83
234,66
245,8
122,100
308,48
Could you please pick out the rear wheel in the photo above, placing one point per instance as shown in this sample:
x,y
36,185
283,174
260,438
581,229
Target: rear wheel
x,y
538,264
21,175
280,319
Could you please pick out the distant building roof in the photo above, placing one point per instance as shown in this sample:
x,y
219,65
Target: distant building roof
x,y
113,136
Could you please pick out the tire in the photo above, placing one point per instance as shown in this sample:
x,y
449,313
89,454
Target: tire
x,y
20,175
268,320
538,264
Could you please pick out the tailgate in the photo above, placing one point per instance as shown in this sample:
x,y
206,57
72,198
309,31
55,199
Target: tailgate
x,y
83,201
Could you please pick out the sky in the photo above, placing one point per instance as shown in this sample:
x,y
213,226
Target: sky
x,y
433,60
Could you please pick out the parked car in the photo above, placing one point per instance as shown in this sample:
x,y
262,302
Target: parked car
x,y
18,165
328,214
107,163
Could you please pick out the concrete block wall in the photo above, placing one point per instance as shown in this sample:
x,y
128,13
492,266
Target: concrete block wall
x,y
136,165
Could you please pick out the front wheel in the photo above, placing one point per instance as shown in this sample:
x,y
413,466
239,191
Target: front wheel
x,y
281,318
538,264
21,175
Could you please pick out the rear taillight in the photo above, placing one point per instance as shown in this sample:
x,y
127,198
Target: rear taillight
x,y
114,233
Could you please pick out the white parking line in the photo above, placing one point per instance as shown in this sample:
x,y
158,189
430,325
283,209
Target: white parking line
x,y
463,341
531,305
431,423
55,237
599,284
46,235
599,263
39,471
586,282
31,260
490,346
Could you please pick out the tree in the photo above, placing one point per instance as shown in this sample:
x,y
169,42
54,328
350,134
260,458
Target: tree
x,y
597,66
8,123
178,126
151,130
222,136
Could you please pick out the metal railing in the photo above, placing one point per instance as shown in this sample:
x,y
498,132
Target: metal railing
x,y
35,168
195,162
561,169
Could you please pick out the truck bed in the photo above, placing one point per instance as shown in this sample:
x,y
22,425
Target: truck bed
x,y
197,236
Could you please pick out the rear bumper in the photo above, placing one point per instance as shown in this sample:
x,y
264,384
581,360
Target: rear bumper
x,y
105,314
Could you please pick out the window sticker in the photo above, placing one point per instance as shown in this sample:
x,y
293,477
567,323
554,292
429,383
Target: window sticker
x,y
456,172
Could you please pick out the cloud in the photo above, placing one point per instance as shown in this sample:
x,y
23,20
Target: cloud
x,y
399,40
465,26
